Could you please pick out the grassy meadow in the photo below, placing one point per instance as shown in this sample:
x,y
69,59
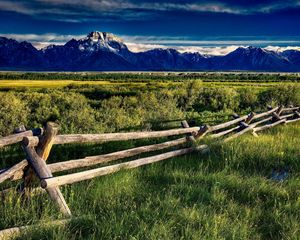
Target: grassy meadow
x,y
227,193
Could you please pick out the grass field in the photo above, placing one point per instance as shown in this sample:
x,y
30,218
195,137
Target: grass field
x,y
226,194
44,84
54,83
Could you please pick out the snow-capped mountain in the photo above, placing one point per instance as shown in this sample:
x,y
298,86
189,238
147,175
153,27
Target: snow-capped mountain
x,y
253,58
101,51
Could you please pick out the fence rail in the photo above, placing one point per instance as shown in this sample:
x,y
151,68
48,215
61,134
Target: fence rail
x,y
37,144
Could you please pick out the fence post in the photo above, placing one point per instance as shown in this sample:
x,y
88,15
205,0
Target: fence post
x,y
190,137
250,118
37,160
280,109
43,150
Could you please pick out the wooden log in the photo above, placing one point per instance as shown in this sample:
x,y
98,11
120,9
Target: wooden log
x,y
11,233
261,121
105,137
260,115
280,109
18,137
43,172
13,173
292,120
276,117
227,124
255,134
297,114
31,141
37,161
243,125
202,132
77,177
223,133
16,172
94,160
257,129
250,117
253,125
47,140
290,109
189,136
247,129
45,143
287,116
240,119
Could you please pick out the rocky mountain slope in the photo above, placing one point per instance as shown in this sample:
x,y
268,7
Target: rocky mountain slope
x,y
101,51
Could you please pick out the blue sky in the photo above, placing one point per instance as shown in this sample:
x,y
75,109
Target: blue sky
x,y
145,23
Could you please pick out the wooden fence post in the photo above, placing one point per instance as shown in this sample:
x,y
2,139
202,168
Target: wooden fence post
x,y
250,118
203,131
280,109
37,159
43,149
42,171
190,137
243,125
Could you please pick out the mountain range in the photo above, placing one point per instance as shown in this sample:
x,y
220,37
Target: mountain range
x,y
101,51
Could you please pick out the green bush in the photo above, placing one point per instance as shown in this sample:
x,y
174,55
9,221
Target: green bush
x,y
248,99
142,111
71,110
216,99
13,113
283,94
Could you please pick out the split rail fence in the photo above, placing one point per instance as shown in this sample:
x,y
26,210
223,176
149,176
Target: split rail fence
x,y
37,144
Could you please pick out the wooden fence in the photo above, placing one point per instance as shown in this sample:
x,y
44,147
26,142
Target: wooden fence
x,y
37,144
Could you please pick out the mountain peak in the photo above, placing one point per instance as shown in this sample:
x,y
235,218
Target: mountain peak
x,y
103,36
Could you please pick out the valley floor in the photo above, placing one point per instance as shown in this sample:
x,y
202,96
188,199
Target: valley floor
x,y
226,194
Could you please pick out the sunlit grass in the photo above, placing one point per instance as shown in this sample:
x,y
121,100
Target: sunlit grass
x,y
14,84
55,83
226,194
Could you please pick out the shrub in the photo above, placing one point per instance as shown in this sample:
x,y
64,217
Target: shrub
x,y
216,99
144,110
248,99
71,110
283,94
13,113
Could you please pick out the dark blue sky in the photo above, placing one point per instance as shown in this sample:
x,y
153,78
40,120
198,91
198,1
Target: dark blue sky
x,y
175,22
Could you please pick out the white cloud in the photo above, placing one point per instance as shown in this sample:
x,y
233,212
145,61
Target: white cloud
x,y
212,51
42,40
281,49
145,43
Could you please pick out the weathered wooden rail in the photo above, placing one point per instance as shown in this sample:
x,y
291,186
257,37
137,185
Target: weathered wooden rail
x,y
37,144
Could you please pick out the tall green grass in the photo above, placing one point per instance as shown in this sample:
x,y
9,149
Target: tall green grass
x,y
225,194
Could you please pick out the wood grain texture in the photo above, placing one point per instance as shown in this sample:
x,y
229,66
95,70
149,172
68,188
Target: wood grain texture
x,y
189,136
106,137
257,129
85,175
18,137
94,160
43,172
